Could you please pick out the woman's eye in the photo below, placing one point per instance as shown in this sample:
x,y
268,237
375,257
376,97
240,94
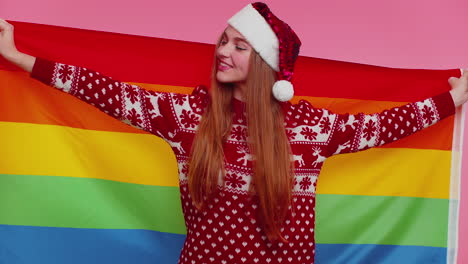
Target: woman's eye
x,y
240,48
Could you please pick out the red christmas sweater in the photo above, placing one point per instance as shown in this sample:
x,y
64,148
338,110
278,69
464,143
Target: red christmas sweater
x,y
228,231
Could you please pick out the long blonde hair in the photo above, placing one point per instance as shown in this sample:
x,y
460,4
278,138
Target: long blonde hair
x,y
272,179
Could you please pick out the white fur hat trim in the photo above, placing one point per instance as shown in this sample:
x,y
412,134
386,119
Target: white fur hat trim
x,y
258,33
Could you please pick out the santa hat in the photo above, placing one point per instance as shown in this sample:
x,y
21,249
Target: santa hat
x,y
273,40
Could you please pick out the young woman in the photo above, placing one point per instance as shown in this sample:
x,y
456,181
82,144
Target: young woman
x,y
248,159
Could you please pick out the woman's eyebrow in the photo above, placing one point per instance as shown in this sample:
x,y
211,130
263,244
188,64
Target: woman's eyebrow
x,y
240,39
224,35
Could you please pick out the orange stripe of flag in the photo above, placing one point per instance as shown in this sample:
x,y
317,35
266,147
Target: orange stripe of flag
x,y
33,102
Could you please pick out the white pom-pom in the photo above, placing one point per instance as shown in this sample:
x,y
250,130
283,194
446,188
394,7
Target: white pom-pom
x,y
283,90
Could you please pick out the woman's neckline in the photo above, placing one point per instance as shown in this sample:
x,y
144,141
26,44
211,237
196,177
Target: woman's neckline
x,y
237,104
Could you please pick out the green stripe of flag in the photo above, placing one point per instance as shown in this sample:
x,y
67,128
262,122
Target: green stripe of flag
x,y
89,203
387,220
95,203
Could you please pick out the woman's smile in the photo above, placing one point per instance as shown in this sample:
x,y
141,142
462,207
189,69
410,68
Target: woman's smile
x,y
223,66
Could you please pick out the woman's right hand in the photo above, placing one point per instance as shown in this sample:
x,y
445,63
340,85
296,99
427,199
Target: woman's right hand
x,y
8,48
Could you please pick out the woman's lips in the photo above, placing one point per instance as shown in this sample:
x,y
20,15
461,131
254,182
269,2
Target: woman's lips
x,y
222,66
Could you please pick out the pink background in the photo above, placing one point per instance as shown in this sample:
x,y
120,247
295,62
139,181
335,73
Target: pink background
x,y
399,33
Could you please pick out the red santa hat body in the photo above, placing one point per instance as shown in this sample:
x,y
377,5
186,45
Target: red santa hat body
x,y
273,40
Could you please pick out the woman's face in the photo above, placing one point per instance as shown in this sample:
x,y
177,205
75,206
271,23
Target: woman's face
x,y
232,56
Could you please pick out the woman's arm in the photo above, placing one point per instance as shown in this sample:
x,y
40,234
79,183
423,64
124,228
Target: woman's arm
x,y
144,109
352,133
358,132
344,133
149,110
22,60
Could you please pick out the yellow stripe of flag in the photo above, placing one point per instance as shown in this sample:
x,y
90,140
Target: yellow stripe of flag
x,y
34,149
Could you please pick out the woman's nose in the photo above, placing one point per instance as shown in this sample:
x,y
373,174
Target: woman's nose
x,y
223,51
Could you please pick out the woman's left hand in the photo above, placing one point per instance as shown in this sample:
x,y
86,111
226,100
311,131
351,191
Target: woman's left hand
x,y
459,90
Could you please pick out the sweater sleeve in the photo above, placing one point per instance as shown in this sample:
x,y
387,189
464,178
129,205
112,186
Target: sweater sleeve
x,y
352,133
148,110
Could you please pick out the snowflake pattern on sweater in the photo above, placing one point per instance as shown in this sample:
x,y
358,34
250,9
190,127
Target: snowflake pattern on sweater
x,y
228,231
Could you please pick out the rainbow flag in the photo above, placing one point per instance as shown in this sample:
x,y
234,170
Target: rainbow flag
x,y
77,186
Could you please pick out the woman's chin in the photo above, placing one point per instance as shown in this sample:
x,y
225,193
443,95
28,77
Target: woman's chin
x,y
223,79
220,77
